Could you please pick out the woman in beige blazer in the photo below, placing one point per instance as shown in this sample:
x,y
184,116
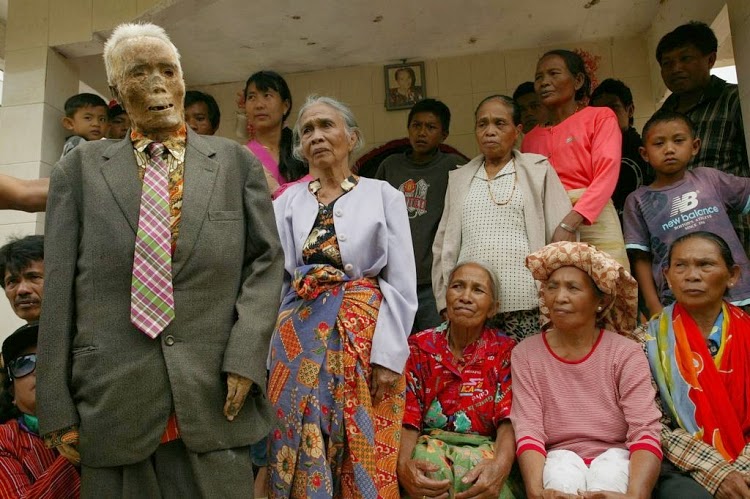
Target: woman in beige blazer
x,y
500,207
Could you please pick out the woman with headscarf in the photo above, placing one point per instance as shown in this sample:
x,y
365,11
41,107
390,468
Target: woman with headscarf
x,y
583,409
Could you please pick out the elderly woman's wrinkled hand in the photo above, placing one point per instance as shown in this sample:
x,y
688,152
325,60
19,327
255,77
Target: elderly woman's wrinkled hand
x,y
734,486
382,380
413,478
487,477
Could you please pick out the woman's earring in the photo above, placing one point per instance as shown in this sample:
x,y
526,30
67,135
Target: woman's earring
x,y
599,308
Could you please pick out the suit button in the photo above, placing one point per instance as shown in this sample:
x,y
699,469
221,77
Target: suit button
x,y
338,213
342,237
348,267
169,340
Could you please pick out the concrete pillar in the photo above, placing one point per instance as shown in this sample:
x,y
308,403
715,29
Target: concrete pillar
x,y
739,21
37,82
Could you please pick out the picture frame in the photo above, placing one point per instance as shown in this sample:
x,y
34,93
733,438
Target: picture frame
x,y
404,85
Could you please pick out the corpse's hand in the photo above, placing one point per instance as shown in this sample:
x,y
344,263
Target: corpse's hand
x,y
413,477
382,380
237,390
487,478
734,486
70,453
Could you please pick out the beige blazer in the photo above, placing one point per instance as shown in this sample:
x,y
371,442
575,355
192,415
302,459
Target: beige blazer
x,y
96,370
545,204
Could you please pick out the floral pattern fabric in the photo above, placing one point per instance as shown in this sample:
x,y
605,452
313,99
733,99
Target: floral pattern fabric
x,y
329,439
472,395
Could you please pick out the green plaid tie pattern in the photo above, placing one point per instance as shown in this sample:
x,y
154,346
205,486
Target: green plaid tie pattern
x,y
151,293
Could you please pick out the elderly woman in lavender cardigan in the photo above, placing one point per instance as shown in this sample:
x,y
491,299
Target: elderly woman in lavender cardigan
x,y
340,346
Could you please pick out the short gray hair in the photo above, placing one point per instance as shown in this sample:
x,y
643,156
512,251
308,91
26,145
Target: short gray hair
x,y
125,32
346,114
487,267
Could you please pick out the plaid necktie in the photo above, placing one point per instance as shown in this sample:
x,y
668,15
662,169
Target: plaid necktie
x,y
151,296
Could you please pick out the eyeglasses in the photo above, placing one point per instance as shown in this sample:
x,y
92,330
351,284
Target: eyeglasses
x,y
22,366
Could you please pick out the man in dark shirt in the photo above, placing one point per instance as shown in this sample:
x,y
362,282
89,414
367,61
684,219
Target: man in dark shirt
x,y
686,56
634,172
421,173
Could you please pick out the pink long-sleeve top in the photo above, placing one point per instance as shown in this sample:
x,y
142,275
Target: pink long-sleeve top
x,y
603,401
585,150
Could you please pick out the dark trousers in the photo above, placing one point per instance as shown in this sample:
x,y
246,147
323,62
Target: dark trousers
x,y
674,484
174,472
427,315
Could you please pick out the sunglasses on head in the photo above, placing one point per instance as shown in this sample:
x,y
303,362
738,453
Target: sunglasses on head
x,y
21,366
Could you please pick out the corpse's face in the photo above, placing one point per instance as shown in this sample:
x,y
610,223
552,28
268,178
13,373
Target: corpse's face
x,y
151,86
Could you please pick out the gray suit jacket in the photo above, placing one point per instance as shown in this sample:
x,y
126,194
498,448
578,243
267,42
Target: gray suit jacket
x,y
96,370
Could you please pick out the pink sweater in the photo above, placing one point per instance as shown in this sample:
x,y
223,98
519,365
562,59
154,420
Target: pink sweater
x,y
585,151
602,401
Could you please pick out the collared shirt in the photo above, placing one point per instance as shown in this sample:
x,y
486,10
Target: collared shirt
x,y
469,395
718,123
176,145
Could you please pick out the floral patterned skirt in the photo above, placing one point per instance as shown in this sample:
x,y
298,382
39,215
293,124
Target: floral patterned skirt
x,y
329,440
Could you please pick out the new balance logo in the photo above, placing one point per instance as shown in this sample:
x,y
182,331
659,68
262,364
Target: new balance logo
x,y
681,204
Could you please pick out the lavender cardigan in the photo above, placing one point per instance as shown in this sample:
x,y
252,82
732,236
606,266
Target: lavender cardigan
x,y
374,238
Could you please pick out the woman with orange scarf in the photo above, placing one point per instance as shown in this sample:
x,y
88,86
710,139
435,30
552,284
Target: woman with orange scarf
x,y
699,352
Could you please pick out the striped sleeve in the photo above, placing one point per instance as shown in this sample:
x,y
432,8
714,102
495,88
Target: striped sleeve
x,y
56,477
526,411
637,396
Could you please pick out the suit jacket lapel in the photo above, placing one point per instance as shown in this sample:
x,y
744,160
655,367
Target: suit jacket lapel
x,y
199,177
120,171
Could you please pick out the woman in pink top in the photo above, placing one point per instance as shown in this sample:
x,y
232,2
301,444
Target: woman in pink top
x,y
584,145
584,413
267,103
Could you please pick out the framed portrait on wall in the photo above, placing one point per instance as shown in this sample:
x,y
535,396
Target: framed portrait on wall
x,y
404,85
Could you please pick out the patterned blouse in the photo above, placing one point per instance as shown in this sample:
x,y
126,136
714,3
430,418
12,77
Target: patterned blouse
x,y
472,395
321,245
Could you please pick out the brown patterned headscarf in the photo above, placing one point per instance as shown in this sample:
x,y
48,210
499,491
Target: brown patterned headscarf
x,y
609,276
